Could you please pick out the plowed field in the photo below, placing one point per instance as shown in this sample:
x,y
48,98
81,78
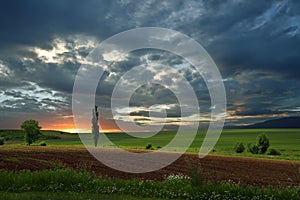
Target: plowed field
x,y
251,171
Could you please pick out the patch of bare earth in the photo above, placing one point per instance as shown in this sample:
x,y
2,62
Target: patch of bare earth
x,y
251,171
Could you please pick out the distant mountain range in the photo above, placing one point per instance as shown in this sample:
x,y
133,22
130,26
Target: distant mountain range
x,y
287,122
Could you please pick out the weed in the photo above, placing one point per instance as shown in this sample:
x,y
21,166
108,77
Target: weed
x,y
12,159
83,167
57,164
196,176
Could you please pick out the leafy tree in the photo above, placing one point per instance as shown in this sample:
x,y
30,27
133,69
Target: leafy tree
x,y
253,148
261,147
32,131
2,140
263,143
239,147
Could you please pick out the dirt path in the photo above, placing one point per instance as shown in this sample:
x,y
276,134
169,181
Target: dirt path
x,y
214,168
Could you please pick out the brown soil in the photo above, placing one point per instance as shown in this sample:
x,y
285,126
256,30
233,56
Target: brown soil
x,y
252,171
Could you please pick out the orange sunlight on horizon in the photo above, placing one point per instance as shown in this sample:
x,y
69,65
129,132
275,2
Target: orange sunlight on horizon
x,y
69,126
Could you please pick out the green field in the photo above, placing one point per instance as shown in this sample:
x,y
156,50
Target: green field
x,y
287,141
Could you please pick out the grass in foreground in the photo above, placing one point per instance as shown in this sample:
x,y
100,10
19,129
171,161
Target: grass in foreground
x,y
69,182
65,196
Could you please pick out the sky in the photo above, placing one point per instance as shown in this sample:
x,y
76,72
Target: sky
x,y
255,45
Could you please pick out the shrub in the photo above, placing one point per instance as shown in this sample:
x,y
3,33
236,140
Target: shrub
x,y
253,148
149,146
43,143
263,143
274,152
239,147
2,140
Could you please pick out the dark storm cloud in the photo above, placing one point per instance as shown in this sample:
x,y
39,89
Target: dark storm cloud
x,y
50,75
239,34
36,22
237,40
173,112
268,41
256,45
262,97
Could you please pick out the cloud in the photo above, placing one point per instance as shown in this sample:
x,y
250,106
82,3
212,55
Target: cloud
x,y
267,42
255,45
32,97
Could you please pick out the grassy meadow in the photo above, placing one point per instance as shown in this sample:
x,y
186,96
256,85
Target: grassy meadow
x,y
70,184
286,141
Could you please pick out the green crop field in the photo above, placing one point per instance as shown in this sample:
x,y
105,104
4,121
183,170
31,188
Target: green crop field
x,y
286,141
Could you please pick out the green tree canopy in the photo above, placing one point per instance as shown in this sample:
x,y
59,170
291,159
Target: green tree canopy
x,y
32,131
263,143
